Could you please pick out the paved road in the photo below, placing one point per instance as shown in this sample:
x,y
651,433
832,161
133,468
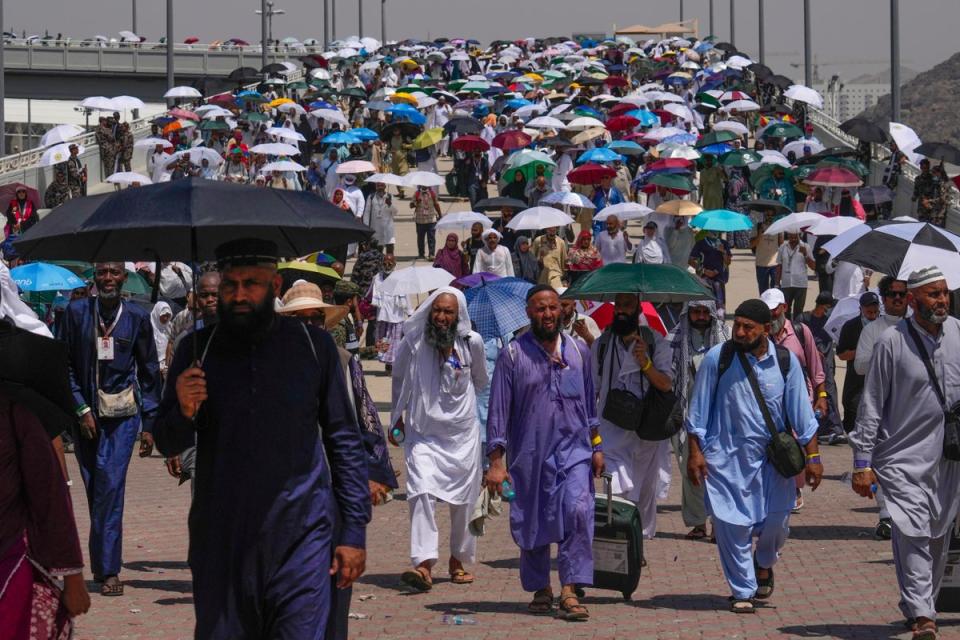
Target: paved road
x,y
835,580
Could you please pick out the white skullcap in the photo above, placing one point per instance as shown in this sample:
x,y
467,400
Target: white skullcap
x,y
924,276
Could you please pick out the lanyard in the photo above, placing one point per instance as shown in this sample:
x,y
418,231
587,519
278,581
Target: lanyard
x,y
105,329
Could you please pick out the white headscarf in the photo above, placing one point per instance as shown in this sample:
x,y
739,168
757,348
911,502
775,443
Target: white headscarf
x,y
418,321
15,309
161,332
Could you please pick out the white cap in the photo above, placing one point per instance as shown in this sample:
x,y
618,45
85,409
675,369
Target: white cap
x,y
773,298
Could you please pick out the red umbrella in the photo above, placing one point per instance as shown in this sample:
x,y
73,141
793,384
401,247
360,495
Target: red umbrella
x,y
665,116
833,177
183,113
510,140
620,109
191,40
616,81
9,191
669,163
470,143
590,173
622,123
223,100
602,313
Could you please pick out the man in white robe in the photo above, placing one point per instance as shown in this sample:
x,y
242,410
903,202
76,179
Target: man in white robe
x,y
379,212
438,369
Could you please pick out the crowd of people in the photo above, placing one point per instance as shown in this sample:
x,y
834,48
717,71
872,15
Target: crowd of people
x,y
607,132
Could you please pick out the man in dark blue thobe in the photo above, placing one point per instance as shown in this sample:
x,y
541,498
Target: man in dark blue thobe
x,y
112,352
268,405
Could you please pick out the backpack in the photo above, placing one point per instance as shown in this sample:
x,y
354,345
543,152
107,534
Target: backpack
x,y
727,353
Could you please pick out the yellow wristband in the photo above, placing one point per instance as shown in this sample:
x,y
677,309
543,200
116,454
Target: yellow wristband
x,y
856,471
813,455
823,394
646,366
596,440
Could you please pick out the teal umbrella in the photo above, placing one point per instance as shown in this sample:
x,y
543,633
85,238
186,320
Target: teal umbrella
x,y
716,137
651,282
782,130
721,220
136,284
740,158
672,181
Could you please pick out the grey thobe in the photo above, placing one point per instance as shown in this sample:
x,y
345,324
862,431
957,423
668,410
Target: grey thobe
x,y
899,432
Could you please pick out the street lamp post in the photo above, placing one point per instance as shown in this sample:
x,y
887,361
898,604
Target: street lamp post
x,y
326,24
134,21
264,37
359,18
711,18
383,21
333,19
170,63
681,10
807,66
733,23
895,60
760,19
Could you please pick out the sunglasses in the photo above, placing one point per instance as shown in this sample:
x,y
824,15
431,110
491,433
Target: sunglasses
x,y
895,294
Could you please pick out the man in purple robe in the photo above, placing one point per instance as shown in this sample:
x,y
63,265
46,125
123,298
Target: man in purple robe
x,y
543,411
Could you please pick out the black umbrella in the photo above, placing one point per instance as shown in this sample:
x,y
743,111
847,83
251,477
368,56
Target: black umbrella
x,y
493,204
762,204
407,130
875,195
941,151
273,67
187,220
830,152
780,81
761,71
780,109
726,47
462,124
863,129
244,75
354,92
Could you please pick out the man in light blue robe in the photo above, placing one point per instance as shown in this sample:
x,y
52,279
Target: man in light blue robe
x,y
745,495
543,414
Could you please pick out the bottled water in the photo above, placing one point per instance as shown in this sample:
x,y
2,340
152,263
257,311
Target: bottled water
x,y
507,491
457,620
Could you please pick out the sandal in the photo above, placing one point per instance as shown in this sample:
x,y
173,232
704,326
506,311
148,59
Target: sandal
x,y
417,580
461,577
926,631
542,603
572,613
764,585
697,533
111,586
742,605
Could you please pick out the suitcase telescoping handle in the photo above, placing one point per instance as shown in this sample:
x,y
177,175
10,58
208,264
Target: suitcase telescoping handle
x,y
608,485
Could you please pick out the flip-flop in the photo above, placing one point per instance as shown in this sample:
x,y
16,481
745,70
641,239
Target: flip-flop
x,y
111,587
567,613
742,605
416,580
461,577
764,585
926,632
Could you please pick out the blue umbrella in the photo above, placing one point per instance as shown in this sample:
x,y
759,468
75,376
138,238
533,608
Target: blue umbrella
x,y
498,308
516,103
600,154
721,220
405,111
716,149
364,133
680,139
340,137
646,118
320,104
626,147
42,276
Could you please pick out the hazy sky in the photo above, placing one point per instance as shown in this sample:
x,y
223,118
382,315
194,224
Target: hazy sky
x,y
850,37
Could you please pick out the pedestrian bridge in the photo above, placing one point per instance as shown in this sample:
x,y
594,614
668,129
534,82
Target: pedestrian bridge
x,y
73,71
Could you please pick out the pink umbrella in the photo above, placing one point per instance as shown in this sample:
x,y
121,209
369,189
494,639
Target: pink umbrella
x,y
183,113
833,177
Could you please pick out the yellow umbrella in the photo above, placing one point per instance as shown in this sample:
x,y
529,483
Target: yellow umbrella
x,y
428,138
404,97
409,64
310,267
680,208
533,77
279,101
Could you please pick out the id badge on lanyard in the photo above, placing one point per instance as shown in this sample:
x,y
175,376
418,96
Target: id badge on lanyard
x,y
105,342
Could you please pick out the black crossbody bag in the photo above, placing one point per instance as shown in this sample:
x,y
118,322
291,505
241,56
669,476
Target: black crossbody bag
x,y
951,415
784,452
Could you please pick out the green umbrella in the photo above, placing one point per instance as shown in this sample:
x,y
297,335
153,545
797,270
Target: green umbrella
x,y
707,99
298,84
553,74
672,181
253,116
529,172
455,85
525,157
716,137
410,88
252,97
740,158
652,282
803,171
764,171
214,125
475,85
782,130
136,284
354,92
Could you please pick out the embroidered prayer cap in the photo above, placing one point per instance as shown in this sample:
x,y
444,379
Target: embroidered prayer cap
x,y
247,252
924,276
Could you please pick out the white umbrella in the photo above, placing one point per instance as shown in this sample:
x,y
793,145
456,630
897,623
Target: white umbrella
x,y
738,62
624,211
182,92
770,156
845,309
546,122
286,134
678,151
422,179
463,219
56,155
275,149
539,218
98,103
291,106
210,111
836,226
804,94
413,280
583,123
907,140
740,106
386,178
127,103
330,115
129,35
529,110
199,154
732,125
794,223
681,111
151,143
568,199
283,165
128,177
60,133
659,133
356,166
797,147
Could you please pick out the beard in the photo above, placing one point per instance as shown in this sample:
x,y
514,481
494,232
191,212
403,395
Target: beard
x,y
701,325
440,337
936,315
778,324
625,325
746,347
109,295
251,325
542,333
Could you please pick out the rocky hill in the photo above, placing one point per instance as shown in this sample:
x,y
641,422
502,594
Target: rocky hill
x,y
928,103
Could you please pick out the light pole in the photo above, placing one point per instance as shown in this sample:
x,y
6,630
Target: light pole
x,y
3,95
333,19
264,37
326,24
170,63
760,19
733,23
895,60
711,18
134,21
807,66
681,10
360,18
383,21
267,11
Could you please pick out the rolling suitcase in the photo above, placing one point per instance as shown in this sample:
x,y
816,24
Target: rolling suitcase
x,y
617,543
